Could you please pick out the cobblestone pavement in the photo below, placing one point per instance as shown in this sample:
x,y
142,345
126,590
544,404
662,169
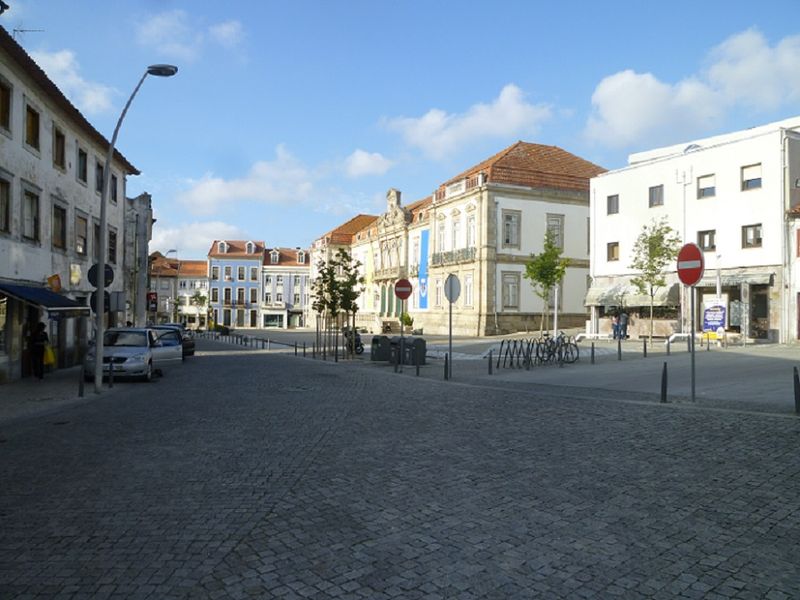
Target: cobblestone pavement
x,y
251,475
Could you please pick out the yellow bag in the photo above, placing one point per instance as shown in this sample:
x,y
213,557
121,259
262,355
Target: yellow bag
x,y
49,356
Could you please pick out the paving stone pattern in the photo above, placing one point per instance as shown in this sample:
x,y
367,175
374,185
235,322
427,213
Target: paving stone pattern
x,y
245,475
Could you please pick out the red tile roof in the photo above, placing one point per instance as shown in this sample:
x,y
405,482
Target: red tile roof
x,y
236,249
287,257
29,66
345,232
532,165
193,268
161,266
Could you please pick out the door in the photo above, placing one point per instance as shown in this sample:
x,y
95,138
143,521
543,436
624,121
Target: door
x,y
167,348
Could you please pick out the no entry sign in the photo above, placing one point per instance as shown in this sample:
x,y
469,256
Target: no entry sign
x,y
690,264
402,289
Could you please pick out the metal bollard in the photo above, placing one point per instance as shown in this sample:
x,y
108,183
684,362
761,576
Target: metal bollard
x,y
394,361
314,351
267,343
796,392
668,346
416,362
80,381
304,349
592,354
708,342
111,374
644,348
664,383
490,362
689,342
295,348
619,349
445,366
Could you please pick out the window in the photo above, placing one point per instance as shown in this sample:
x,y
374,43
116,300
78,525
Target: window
x,y
59,233
656,196
439,238
254,295
706,186
30,215
511,228
751,177
222,247
253,273
215,294
59,148
612,204
215,273
555,225
296,299
249,248
112,247
278,297
31,126
468,290
751,236
96,249
164,284
456,233
226,295
268,298
267,279
273,257
279,279
98,176
240,295
113,190
5,206
82,168
301,258
297,280
439,292
5,105
470,232
612,251
706,239
228,273
510,290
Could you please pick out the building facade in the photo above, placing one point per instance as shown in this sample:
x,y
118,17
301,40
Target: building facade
x,y
51,171
737,196
138,233
234,271
286,288
164,286
192,293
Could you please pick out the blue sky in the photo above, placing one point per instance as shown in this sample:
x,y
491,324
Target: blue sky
x,y
288,118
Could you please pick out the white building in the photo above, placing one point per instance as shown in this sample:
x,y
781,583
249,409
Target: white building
x,y
192,293
51,170
286,287
736,196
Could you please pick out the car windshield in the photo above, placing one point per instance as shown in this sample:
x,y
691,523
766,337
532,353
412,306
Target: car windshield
x,y
125,338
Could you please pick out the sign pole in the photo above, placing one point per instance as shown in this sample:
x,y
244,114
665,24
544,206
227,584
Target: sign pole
x,y
402,339
691,334
450,342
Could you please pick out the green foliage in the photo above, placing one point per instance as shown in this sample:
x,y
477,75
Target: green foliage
x,y
546,270
406,319
197,299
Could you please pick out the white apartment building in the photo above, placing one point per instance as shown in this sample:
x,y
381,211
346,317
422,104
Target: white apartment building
x,y
192,293
737,196
51,170
286,294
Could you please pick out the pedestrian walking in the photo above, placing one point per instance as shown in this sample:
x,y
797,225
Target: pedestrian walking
x,y
39,341
615,325
623,325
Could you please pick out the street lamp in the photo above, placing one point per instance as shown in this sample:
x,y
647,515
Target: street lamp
x,y
158,71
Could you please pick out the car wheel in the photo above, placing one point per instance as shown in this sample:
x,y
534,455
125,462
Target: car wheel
x,y
148,374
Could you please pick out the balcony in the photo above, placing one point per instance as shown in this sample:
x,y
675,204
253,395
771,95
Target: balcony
x,y
391,273
453,257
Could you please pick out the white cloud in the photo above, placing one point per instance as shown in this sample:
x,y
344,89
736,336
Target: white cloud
x,y
744,71
192,240
361,163
438,133
283,180
63,68
170,35
228,33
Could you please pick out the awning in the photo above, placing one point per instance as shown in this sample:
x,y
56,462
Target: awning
x,y
735,279
54,304
624,294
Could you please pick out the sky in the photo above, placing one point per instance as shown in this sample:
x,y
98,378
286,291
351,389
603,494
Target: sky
x,y
286,119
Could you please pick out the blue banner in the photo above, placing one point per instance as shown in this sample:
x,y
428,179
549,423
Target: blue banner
x,y
423,269
713,318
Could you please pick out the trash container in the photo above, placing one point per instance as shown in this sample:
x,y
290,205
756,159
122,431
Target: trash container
x,y
381,348
394,350
415,351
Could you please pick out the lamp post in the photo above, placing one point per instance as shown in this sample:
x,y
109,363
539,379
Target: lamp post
x,y
158,71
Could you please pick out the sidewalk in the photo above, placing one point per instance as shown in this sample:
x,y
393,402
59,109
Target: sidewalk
x,y
30,396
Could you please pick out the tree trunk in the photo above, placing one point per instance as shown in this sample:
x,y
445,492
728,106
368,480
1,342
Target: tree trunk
x,y
652,301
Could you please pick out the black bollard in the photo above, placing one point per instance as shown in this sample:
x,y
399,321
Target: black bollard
x,y
592,355
445,366
314,350
295,348
490,362
664,383
644,347
796,392
619,348
708,342
668,346
416,360
111,373
689,342
304,349
80,382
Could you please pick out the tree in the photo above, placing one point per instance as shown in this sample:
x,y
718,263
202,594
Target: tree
x,y
546,271
656,247
199,300
336,290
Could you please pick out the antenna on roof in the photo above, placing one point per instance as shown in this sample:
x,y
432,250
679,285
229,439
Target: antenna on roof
x,y
17,30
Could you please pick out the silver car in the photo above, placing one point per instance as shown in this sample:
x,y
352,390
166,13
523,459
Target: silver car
x,y
136,352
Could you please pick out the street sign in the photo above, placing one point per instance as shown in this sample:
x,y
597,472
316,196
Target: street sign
x,y
92,275
93,301
152,301
452,288
402,289
690,264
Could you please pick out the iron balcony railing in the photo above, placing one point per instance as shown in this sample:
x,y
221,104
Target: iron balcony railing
x,y
453,256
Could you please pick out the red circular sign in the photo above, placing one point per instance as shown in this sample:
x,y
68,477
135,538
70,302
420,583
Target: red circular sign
x,y
690,264
402,289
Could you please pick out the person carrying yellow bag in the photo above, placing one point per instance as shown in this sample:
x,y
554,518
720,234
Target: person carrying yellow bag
x,y
49,356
